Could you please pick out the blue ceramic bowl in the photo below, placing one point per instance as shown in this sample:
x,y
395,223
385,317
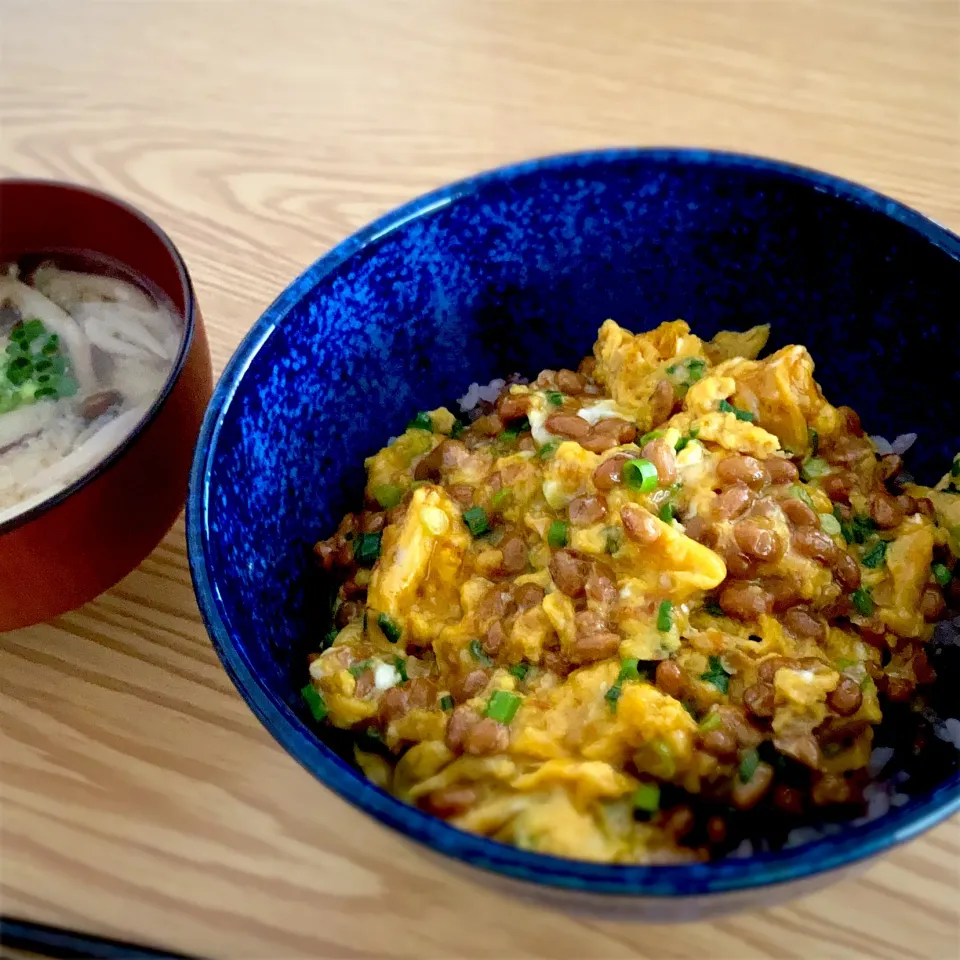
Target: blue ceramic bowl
x,y
515,270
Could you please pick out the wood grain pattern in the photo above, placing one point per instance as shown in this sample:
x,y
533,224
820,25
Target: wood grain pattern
x,y
140,798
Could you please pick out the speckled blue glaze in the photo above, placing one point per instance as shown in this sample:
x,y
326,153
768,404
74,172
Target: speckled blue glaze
x,y
515,270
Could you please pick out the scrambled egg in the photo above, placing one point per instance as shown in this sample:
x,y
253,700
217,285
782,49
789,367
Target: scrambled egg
x,y
630,599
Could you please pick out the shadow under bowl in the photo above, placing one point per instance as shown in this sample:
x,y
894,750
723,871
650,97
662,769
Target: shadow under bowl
x,y
515,270
79,542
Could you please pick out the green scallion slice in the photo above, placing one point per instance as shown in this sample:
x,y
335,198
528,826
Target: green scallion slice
x,y
554,398
391,629
314,700
558,535
726,407
941,573
875,556
665,616
646,798
629,669
500,499
520,670
613,695
479,654
830,524
814,438
640,475
421,421
613,539
361,666
366,549
503,706
714,608
547,451
862,601
652,435
388,495
800,494
457,429
717,675
749,762
476,520
401,666
710,722
668,513
813,468
446,702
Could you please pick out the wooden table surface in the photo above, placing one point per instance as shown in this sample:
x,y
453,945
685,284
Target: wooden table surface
x,y
140,798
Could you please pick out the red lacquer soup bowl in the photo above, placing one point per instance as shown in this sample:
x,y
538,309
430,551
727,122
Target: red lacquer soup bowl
x,y
67,549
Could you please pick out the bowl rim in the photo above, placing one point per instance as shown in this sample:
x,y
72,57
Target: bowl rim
x,y
854,843
186,343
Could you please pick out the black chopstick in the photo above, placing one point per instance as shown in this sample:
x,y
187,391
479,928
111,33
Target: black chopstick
x,y
47,941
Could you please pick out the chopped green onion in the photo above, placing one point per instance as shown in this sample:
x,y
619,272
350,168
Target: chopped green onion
x,y
421,421
652,435
863,527
613,539
520,670
726,407
862,601
457,429
800,494
663,751
717,675
941,573
830,524
366,549
476,520
710,722
558,534
479,654
640,475
684,441
328,640
647,798
314,700
503,706
714,608
388,495
554,398
695,368
813,468
515,429
390,627
31,330
668,513
955,467
748,765
875,556
446,702
629,669
665,616
613,695
361,666
814,438
401,666
547,451
500,498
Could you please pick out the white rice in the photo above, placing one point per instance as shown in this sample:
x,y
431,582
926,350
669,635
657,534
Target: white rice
x,y
476,393
899,446
949,730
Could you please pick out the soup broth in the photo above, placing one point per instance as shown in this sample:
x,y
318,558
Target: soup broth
x,y
85,350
